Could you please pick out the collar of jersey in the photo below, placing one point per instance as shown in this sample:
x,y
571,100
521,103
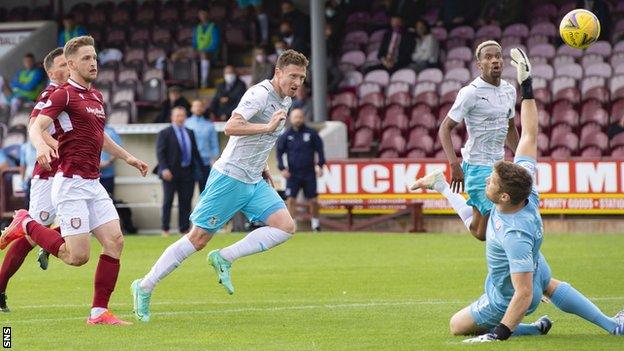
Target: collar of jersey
x,y
76,85
483,84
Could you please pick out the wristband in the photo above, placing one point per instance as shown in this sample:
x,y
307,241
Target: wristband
x,y
527,88
502,332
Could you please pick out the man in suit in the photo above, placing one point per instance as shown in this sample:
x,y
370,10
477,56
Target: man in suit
x,y
177,155
228,94
396,47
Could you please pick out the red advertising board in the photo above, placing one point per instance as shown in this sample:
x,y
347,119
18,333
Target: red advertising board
x,y
566,187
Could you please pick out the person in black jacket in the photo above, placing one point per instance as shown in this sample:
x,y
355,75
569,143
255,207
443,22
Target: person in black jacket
x,y
174,98
396,47
228,94
300,144
176,150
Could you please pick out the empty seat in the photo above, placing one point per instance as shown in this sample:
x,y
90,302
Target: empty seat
x,y
368,88
537,39
425,93
420,141
423,119
542,143
184,72
590,128
617,140
565,50
599,69
516,29
406,75
573,70
569,117
369,118
491,31
374,99
543,50
591,151
561,60
353,58
393,143
351,79
561,153
601,47
346,98
153,90
544,28
430,75
599,140
378,76
362,140
594,88
459,74
568,140
460,53
396,120
543,71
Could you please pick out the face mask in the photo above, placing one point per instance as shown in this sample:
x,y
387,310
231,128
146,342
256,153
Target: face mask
x,y
260,58
279,51
330,12
229,78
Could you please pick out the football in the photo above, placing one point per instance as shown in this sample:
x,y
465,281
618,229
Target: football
x,y
579,28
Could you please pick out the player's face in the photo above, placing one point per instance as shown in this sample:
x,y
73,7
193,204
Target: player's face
x,y
492,189
60,72
491,61
297,118
84,62
290,78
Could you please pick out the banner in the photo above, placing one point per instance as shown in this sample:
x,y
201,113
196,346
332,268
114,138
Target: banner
x,y
11,37
381,186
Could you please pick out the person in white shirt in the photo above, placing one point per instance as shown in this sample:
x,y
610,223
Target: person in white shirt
x,y
427,47
487,107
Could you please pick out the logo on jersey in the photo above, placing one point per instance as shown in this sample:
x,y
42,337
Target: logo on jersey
x,y
497,224
44,216
75,222
98,112
212,221
306,137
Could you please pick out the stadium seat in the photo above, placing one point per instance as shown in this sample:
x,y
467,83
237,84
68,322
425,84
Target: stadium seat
x,y
510,40
184,71
461,75
107,76
393,110
353,59
370,61
547,10
542,144
115,38
351,79
378,76
394,143
544,50
139,37
430,75
567,140
599,140
573,70
616,87
619,46
443,111
449,90
406,75
591,151
564,88
490,31
377,36
561,60
346,98
463,32
590,59
423,119
422,142
153,91
545,28
154,54
367,88
617,140
536,39
120,17
543,96
516,29
590,128
374,99
397,87
368,117
358,37
388,154
618,152
543,71
371,48
561,154
162,38
452,64
595,114
425,93
118,117
416,154
543,118
439,33
184,35
395,120
599,69
568,116
460,53
601,47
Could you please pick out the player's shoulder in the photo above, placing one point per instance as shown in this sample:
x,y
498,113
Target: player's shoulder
x,y
506,86
470,89
260,90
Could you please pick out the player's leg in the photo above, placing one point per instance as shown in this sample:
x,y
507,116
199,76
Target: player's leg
x,y
168,192
13,260
436,181
264,205
310,193
104,224
216,206
463,323
569,300
293,185
42,210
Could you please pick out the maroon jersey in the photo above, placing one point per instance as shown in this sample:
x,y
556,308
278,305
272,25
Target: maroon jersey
x,y
54,130
80,114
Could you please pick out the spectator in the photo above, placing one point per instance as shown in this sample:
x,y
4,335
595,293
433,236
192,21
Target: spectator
x,y
207,141
206,41
177,155
601,9
300,21
280,47
228,94
4,161
427,47
174,98
303,102
396,47
293,41
27,83
502,12
263,22
261,68
110,55
70,30
455,13
334,74
300,144
5,94
107,164
616,128
28,158
409,10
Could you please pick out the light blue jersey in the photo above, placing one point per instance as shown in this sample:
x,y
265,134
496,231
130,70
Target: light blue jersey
x,y
235,183
513,243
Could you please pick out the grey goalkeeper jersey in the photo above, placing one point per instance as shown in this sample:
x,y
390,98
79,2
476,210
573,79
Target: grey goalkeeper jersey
x,y
245,157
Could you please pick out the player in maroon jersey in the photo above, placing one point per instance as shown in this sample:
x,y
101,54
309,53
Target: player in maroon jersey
x,y
82,203
41,208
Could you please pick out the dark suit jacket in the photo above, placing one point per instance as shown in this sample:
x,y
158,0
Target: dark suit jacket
x,y
235,93
406,47
169,154
167,105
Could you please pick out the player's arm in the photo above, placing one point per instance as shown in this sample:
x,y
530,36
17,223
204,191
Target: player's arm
x,y
45,153
512,135
521,300
237,125
53,143
115,150
457,174
527,146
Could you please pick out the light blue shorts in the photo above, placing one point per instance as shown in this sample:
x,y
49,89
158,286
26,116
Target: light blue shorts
x,y
224,196
474,181
488,313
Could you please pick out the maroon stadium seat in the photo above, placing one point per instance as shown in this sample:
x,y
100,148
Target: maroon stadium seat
x,y
393,110
617,140
162,38
351,79
399,121
368,88
461,75
561,153
543,96
590,128
375,99
463,32
460,53
346,98
544,119
567,140
421,141
568,116
378,76
591,151
353,58
393,142
362,140
422,119
368,117
516,29
416,153
400,98
542,143
430,75
618,152
593,112
406,75
599,140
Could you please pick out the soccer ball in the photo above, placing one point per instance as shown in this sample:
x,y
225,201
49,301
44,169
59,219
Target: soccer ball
x,y
579,28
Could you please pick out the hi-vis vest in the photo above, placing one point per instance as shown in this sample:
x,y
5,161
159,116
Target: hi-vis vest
x,y
204,37
26,77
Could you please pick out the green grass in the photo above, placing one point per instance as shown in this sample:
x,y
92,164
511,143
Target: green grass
x,y
316,292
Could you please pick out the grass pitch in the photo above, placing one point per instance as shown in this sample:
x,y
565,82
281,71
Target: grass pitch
x,y
316,292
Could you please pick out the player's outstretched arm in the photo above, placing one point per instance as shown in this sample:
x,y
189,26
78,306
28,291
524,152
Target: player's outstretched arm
x,y
528,111
237,125
45,153
115,150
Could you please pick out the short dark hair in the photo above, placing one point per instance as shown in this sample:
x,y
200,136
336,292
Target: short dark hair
x,y
48,61
29,55
427,26
514,180
291,57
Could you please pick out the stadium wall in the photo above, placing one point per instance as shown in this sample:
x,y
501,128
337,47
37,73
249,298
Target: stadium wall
x,y
16,39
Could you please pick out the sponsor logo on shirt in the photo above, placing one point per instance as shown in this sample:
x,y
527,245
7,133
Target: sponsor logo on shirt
x,y
98,112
